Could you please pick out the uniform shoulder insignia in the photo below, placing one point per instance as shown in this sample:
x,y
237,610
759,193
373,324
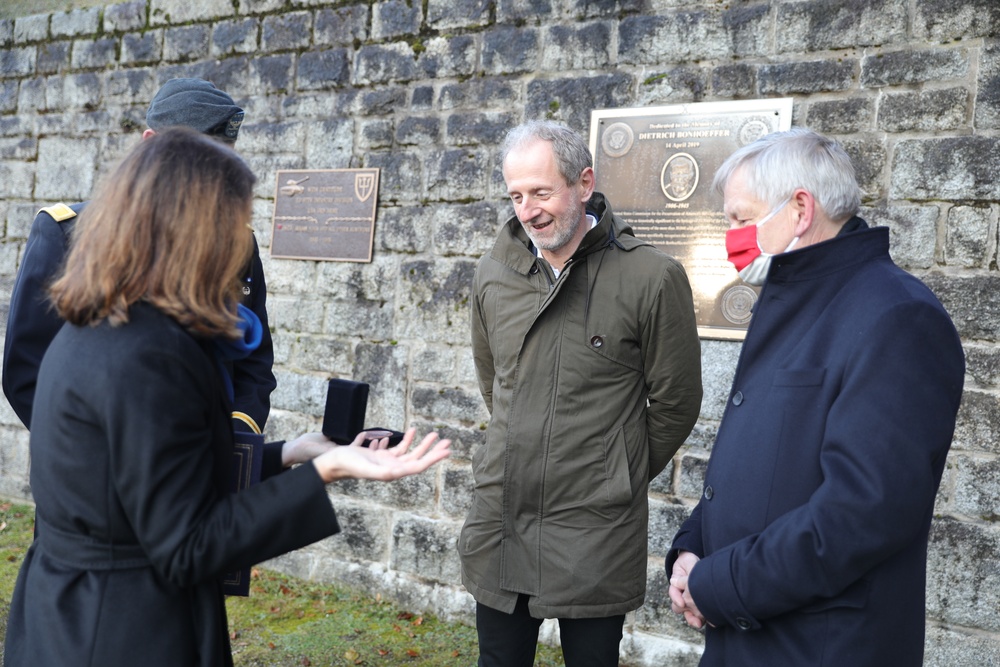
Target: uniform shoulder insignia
x,y
59,212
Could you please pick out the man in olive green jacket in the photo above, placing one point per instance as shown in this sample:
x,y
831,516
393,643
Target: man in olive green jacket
x,y
588,359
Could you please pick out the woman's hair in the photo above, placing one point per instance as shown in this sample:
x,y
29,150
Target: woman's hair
x,y
779,163
170,225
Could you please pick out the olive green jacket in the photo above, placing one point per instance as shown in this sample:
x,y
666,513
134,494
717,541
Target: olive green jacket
x,y
593,381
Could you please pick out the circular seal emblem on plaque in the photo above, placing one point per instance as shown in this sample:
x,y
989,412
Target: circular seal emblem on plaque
x,y
753,129
737,304
617,140
679,176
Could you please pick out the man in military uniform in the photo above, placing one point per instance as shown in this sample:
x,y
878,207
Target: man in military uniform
x,y
32,323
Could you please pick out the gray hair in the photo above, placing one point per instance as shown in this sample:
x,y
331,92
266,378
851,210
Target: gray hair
x,y
570,150
779,163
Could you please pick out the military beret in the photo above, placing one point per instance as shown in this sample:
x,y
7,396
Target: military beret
x,y
197,104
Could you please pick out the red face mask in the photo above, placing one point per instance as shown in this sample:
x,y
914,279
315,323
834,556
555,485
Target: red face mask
x,y
741,246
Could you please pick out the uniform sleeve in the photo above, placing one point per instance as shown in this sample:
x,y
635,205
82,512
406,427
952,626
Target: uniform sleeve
x,y
253,379
32,323
672,368
883,447
162,462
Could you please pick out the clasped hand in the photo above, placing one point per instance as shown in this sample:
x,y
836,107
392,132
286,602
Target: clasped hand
x,y
681,601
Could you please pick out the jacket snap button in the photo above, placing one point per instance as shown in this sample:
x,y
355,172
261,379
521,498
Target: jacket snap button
x,y
737,398
597,341
743,623
533,270
709,492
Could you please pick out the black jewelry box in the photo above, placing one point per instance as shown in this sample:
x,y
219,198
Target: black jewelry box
x,y
344,416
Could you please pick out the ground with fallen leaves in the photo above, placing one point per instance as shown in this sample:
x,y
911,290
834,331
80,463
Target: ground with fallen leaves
x,y
288,622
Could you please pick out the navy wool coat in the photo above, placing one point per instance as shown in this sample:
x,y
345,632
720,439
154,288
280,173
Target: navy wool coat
x,y
818,497
131,462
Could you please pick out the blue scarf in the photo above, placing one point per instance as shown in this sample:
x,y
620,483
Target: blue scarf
x,y
227,350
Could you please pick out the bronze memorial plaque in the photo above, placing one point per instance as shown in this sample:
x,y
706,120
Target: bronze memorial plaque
x,y
325,214
656,166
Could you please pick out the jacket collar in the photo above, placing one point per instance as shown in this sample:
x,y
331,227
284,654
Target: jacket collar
x,y
513,248
855,244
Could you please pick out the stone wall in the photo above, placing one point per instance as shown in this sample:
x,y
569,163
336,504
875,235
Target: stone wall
x,y
424,91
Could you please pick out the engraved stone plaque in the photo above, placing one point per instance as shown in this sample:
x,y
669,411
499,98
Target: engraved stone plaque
x,y
656,166
325,214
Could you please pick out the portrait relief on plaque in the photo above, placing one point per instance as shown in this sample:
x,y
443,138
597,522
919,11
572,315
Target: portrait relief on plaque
x,y
656,166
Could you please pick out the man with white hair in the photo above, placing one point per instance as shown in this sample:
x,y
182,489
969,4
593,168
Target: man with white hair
x,y
809,543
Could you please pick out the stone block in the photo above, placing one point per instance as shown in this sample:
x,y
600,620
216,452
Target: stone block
x,y
186,43
452,56
418,131
959,647
924,111
265,6
914,66
266,167
417,493
961,167
842,116
987,113
66,168
982,363
426,548
384,63
131,87
433,363
17,62
467,368
451,14
8,95
514,11
718,365
15,460
18,148
483,93
329,144
804,77
912,233
186,11
125,16
384,367
406,229
977,427
19,217
434,297
971,300
457,174
736,80
946,20
458,489
585,9
465,229
400,178
454,404
511,51
142,48
375,133
971,237
677,85
676,37
471,128
422,98
96,54
52,57
868,155
382,101
395,18
963,582
366,530
748,29
977,486
374,319
323,354
586,46
638,648
234,36
295,391
82,91
571,100
272,74
76,23
821,25
665,519
34,28
288,137
323,69
341,26
31,96
291,314
282,32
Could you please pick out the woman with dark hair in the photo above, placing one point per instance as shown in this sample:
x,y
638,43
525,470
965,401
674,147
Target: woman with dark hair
x,y
131,443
